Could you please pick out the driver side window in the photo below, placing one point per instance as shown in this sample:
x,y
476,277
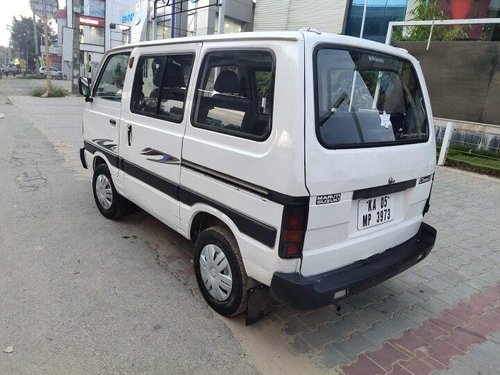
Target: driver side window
x,y
110,84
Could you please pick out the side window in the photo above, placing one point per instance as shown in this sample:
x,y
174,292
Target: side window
x,y
234,93
110,84
160,86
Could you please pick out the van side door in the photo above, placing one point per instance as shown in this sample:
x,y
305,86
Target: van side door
x,y
154,119
102,115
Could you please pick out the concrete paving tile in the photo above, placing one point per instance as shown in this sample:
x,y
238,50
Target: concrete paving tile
x,y
482,357
353,347
396,286
409,343
300,346
458,368
477,283
416,314
360,300
346,326
369,316
489,277
362,366
449,298
412,278
387,356
319,316
295,325
427,273
389,306
320,337
382,331
331,357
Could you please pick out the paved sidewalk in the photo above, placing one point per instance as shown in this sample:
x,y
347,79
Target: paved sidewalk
x,y
441,315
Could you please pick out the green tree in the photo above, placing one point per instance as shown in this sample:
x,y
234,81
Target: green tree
x,y
427,10
23,39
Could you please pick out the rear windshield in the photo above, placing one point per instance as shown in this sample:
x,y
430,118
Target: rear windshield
x,y
365,99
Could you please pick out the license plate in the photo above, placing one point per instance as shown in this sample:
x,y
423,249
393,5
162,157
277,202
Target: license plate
x,y
375,211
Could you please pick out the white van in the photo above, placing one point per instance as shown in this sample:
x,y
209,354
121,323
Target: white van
x,y
302,161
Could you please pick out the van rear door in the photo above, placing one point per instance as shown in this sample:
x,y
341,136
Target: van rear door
x,y
370,152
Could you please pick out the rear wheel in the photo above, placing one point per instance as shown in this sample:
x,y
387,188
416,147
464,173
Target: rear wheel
x,y
219,271
105,195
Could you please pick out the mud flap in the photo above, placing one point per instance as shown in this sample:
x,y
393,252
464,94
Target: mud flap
x,y
259,303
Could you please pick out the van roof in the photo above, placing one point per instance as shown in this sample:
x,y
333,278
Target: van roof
x,y
274,35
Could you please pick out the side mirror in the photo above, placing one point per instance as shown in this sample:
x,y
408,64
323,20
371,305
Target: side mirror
x,y
84,88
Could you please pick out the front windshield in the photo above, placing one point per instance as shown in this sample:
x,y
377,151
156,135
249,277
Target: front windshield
x,y
366,99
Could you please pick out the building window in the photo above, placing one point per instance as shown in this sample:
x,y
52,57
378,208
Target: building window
x,y
94,8
230,25
378,15
92,35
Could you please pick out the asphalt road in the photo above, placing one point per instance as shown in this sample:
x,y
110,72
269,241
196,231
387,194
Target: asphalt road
x,y
83,295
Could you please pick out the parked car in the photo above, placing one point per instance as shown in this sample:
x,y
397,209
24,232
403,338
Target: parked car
x,y
54,72
301,161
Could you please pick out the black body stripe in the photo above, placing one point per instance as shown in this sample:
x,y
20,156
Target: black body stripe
x,y
259,231
153,180
273,196
113,159
385,189
251,227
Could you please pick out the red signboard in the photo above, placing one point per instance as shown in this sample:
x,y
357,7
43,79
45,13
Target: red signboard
x,y
92,21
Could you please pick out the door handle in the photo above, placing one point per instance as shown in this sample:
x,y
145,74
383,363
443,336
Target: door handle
x,y
112,122
129,134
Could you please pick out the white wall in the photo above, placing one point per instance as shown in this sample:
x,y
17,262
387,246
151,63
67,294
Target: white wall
x,y
324,15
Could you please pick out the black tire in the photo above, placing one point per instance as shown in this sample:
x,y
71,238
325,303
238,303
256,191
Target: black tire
x,y
236,301
115,208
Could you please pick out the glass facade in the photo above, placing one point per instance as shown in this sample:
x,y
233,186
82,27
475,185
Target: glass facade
x,y
378,15
92,35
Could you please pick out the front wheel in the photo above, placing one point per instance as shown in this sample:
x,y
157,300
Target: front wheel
x,y
105,195
219,271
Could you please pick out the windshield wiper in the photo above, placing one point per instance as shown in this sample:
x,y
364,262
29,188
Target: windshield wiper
x,y
342,98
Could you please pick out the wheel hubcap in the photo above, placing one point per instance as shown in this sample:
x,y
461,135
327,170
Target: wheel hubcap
x,y
215,272
103,191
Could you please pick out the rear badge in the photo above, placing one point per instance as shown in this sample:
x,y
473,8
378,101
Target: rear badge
x,y
425,179
327,199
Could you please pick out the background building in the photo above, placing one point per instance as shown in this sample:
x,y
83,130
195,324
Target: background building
x,y
344,16
107,24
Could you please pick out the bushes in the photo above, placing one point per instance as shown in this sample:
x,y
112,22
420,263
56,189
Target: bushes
x,y
57,92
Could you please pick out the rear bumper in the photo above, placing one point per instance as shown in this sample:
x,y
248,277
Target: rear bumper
x,y
304,293
82,157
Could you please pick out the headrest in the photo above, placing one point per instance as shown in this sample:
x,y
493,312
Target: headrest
x,y
227,82
174,76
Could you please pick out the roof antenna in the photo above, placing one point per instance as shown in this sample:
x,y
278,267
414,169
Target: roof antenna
x,y
310,30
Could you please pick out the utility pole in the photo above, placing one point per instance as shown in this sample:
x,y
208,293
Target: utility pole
x,y
75,72
47,57
37,51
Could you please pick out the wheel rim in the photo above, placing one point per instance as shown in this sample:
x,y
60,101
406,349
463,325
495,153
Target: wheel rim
x,y
216,272
103,191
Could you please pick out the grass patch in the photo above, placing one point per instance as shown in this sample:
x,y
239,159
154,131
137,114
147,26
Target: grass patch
x,y
57,92
38,91
469,159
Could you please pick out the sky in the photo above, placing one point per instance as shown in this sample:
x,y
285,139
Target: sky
x,y
16,8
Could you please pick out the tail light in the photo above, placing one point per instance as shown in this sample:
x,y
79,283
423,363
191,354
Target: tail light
x,y
293,230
